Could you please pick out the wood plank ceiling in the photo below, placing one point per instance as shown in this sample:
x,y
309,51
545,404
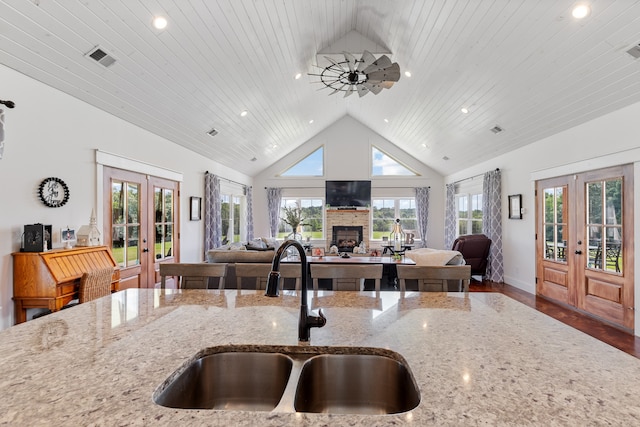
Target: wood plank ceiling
x,y
526,66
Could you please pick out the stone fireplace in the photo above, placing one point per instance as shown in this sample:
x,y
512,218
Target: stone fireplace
x,y
357,218
346,237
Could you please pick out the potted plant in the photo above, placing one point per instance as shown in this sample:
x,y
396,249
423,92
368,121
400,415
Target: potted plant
x,y
295,219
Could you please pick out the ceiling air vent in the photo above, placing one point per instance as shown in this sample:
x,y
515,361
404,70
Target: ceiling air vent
x,y
635,51
212,132
496,129
101,57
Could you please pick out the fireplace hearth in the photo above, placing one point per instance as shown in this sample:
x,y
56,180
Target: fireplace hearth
x,y
346,237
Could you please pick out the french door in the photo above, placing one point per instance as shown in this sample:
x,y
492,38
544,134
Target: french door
x,y
584,242
141,224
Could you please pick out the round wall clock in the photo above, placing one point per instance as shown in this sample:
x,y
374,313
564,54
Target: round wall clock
x,y
53,192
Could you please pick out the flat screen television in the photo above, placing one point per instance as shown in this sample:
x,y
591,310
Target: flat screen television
x,y
348,193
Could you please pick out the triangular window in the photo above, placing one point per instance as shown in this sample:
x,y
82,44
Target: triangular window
x,y
383,164
312,165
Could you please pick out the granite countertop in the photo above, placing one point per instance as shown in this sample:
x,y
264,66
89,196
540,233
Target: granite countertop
x,y
477,358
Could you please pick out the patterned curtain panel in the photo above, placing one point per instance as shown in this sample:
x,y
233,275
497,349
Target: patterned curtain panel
x,y
492,223
248,191
422,213
450,216
212,212
274,198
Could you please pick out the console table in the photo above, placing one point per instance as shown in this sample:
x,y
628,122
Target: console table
x,y
51,279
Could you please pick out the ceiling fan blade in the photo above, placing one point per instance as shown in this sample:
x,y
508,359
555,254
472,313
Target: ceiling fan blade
x,y
366,60
336,63
362,90
373,87
336,90
379,64
349,91
391,73
351,61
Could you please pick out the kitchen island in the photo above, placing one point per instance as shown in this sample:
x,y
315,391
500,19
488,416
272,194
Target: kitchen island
x,y
477,358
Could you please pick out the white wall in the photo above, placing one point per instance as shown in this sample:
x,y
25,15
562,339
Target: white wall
x,y
605,141
50,133
347,155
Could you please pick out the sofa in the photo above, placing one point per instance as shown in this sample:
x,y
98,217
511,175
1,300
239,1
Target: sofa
x,y
260,250
445,272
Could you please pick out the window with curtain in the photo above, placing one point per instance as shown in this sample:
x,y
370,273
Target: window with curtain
x,y
469,213
384,212
233,222
312,213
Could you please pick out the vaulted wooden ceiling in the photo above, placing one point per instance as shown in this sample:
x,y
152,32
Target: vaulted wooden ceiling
x,y
525,66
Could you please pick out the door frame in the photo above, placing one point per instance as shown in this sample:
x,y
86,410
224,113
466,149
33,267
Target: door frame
x,y
105,159
571,282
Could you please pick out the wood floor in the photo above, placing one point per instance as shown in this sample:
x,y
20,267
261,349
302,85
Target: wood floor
x,y
597,329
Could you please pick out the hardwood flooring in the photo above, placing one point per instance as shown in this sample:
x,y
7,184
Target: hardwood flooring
x,y
600,330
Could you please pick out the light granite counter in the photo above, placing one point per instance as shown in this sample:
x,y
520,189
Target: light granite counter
x,y
478,359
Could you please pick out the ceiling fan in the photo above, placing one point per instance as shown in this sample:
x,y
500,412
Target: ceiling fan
x,y
364,75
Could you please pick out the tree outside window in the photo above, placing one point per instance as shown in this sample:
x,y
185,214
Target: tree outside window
x,y
469,213
310,210
385,211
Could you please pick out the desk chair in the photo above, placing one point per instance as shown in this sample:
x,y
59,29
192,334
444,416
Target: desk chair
x,y
427,276
260,271
95,284
193,276
346,276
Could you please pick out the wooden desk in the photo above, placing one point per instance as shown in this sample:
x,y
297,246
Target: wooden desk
x,y
51,279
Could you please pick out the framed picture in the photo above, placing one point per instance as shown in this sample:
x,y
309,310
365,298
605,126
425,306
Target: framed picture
x,y
196,207
67,235
515,206
319,252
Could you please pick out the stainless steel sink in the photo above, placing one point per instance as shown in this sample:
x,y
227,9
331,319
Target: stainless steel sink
x,y
352,380
355,384
234,380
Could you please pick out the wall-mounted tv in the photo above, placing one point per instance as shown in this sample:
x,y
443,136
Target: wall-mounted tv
x,y
348,193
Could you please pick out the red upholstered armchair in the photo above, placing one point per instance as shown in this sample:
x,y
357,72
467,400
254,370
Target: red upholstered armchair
x,y
475,250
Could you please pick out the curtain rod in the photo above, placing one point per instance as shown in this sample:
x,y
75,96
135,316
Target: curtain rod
x,y
471,177
230,180
377,188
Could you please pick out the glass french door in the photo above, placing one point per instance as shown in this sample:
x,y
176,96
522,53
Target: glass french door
x,y
584,242
141,224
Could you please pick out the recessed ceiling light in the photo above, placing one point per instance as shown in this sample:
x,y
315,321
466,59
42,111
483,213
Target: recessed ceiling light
x,y
407,73
311,121
386,120
298,76
445,158
423,145
244,113
464,110
253,159
581,11
160,22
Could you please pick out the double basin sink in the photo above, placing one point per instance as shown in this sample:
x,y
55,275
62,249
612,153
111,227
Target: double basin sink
x,y
346,380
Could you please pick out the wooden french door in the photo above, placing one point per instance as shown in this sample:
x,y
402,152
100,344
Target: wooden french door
x,y
141,224
584,242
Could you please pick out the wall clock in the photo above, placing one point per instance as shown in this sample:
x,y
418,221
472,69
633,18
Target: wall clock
x,y
53,192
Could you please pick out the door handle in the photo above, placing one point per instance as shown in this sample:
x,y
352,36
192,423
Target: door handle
x,y
145,250
578,252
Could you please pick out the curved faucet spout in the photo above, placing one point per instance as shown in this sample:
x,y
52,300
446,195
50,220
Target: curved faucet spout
x,y
306,321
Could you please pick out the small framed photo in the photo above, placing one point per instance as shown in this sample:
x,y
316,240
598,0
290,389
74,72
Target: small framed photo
x,y
196,207
319,252
67,235
515,206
